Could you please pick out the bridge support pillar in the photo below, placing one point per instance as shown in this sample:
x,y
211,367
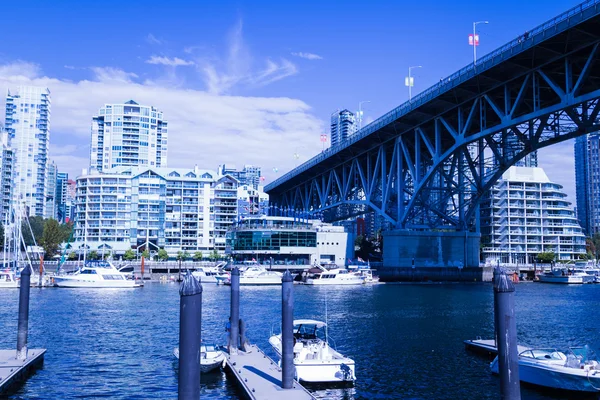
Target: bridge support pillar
x,y
438,256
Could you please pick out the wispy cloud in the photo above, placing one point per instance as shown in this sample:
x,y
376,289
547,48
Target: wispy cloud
x,y
153,39
171,62
110,74
308,56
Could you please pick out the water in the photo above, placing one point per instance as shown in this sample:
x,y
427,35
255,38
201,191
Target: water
x,y
406,340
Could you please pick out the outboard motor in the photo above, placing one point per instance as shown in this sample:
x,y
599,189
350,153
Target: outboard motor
x,y
346,372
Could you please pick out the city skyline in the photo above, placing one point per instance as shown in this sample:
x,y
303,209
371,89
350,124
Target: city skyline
x,y
246,98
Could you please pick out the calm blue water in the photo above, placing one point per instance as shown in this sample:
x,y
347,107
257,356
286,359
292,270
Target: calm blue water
x,y
406,339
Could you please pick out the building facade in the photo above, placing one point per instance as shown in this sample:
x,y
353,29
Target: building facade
x,y
139,208
587,181
27,125
128,134
525,214
60,198
248,176
251,201
50,210
6,175
343,125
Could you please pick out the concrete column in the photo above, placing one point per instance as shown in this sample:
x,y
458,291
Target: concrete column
x,y
23,325
506,328
287,331
190,327
235,311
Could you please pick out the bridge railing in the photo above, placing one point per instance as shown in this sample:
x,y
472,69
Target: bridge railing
x,y
540,32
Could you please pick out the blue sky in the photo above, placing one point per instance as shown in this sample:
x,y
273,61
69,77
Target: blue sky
x,y
247,82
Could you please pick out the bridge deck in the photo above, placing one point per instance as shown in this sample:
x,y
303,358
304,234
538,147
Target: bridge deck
x,y
260,377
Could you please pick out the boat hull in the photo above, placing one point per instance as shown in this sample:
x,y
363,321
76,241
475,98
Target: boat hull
x,y
207,364
327,282
67,282
561,279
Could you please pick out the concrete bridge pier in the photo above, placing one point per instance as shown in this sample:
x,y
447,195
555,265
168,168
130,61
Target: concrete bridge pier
x,y
431,256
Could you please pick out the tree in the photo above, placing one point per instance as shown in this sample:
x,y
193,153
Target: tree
x,y
129,255
163,255
51,239
37,226
72,256
214,255
197,256
182,255
146,254
592,245
93,255
546,256
66,231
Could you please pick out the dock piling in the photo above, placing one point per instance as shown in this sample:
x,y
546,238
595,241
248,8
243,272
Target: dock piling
x,y
41,277
287,331
190,327
234,311
23,325
506,329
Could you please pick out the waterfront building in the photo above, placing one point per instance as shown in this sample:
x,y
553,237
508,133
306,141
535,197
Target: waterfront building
x,y
251,201
128,134
343,125
525,214
6,174
27,125
61,199
248,176
287,240
140,208
587,181
50,209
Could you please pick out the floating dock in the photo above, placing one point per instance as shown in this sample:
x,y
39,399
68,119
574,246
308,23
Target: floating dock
x,y
487,346
13,371
260,377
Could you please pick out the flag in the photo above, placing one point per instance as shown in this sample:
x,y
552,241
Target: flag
x,y
471,40
360,259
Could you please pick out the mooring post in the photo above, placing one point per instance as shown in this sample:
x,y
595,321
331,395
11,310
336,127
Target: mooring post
x,y
190,333
287,331
40,282
234,311
23,325
142,269
270,263
506,328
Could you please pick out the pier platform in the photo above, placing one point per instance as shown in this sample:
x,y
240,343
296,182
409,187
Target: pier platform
x,y
260,377
487,346
13,371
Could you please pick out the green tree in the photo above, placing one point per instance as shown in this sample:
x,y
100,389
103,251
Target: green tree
x,y
37,226
93,255
197,256
592,244
66,230
146,254
182,255
546,256
72,256
163,255
129,255
214,255
51,239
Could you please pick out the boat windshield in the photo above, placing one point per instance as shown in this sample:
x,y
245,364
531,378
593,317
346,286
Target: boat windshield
x,y
583,353
97,264
306,332
543,354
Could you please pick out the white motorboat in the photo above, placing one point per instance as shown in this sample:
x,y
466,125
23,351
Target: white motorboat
x,y
562,275
315,360
95,274
367,274
209,274
335,277
8,279
211,357
258,275
574,371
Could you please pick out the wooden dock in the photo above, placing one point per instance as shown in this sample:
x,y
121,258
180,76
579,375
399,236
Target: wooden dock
x,y
487,346
13,371
260,377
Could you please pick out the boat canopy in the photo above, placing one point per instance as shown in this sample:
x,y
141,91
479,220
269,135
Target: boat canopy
x,y
318,324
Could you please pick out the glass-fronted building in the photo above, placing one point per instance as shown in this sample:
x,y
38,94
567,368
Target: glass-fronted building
x,y
587,181
343,125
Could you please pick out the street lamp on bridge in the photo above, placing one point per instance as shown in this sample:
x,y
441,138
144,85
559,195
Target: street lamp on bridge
x,y
360,112
409,81
474,39
323,140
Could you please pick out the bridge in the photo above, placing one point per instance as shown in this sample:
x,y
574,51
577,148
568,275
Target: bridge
x,y
424,166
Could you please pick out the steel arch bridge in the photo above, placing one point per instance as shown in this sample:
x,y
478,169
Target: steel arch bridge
x,y
427,163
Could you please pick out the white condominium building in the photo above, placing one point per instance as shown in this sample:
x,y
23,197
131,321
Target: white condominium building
x,y
526,214
128,134
137,208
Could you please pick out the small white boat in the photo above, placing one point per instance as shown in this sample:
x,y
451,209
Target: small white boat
x,y
315,360
336,277
8,279
209,274
367,274
574,371
562,275
95,274
211,357
258,275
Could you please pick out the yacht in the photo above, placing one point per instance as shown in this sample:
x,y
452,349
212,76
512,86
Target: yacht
x,y
562,275
95,274
575,371
336,277
8,279
315,360
258,275
211,357
367,274
209,275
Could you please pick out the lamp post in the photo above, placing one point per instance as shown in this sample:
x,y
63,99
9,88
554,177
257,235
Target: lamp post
x,y
409,81
474,40
323,140
360,112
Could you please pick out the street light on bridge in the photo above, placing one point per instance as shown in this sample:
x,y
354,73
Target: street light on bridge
x,y
323,140
409,81
360,112
474,39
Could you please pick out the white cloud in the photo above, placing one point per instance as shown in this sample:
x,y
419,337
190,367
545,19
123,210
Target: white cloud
x,y
153,39
308,56
171,62
204,128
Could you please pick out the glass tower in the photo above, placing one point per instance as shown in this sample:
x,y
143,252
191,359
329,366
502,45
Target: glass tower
x,y
343,125
587,181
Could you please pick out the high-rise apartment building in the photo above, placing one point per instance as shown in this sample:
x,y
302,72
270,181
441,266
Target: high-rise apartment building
x,y
27,124
130,135
248,176
587,180
60,197
343,125
50,210
525,214
6,175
